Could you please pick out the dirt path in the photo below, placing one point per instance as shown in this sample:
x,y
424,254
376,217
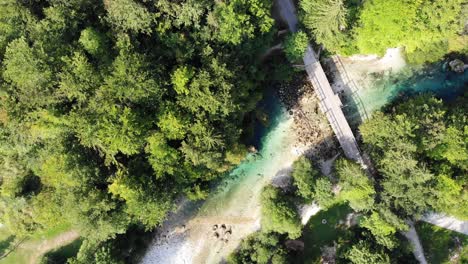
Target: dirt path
x,y
447,222
413,238
271,50
39,248
307,211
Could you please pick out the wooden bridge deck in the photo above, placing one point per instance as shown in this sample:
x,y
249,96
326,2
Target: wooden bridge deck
x,y
330,103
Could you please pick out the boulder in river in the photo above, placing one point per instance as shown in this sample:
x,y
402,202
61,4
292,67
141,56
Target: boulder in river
x,y
252,149
457,65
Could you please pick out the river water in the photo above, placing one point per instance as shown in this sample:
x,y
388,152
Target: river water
x,y
436,79
234,202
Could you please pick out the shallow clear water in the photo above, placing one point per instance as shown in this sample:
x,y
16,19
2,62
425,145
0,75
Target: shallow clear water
x,y
246,180
272,141
435,79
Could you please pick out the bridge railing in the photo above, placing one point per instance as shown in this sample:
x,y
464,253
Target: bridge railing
x,y
347,80
326,109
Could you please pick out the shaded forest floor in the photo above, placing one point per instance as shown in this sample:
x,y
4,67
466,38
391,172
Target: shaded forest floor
x,y
442,245
323,230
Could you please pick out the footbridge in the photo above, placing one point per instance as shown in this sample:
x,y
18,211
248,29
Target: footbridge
x,y
330,103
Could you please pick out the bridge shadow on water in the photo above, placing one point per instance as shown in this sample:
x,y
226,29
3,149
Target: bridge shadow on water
x,y
348,91
360,102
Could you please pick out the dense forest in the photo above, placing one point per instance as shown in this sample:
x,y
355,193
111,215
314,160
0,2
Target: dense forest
x,y
110,110
426,29
113,110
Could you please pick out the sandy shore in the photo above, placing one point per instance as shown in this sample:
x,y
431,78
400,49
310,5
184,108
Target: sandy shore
x,y
363,69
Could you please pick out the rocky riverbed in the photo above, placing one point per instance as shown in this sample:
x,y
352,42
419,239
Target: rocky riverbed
x,y
310,124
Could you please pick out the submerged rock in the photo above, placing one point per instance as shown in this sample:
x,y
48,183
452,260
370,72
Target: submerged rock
x,y
457,65
252,149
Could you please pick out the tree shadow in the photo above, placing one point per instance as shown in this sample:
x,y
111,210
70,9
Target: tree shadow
x,y
439,244
6,244
63,253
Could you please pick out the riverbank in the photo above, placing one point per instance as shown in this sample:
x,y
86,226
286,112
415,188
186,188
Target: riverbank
x,y
366,83
363,70
353,78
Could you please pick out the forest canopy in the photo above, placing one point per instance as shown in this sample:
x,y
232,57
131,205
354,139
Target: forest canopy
x,y
109,110
426,29
421,147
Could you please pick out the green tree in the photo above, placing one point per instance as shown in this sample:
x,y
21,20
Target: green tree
x,y
323,192
453,147
163,158
180,79
405,145
326,19
95,131
51,33
402,172
15,215
172,125
146,206
310,184
394,151
110,129
14,22
93,41
130,80
295,46
356,187
13,176
129,15
419,26
234,24
78,79
382,230
26,70
361,253
261,248
279,214
99,253
450,197
304,177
